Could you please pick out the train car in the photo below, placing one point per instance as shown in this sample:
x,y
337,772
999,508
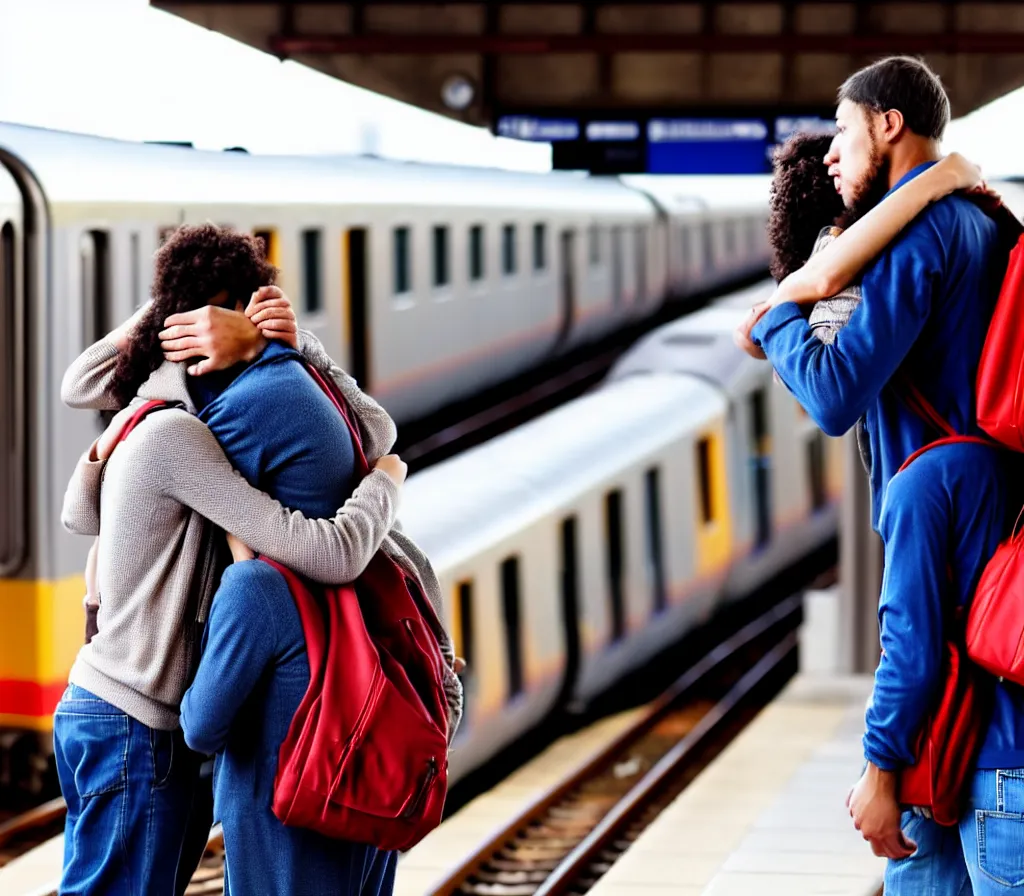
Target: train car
x,y
427,282
576,547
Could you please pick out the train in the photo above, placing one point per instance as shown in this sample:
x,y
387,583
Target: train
x,y
429,283
578,546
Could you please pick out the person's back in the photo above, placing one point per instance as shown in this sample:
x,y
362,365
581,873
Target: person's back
x,y
941,520
284,434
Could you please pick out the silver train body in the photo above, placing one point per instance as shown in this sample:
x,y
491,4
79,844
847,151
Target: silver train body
x,y
428,282
576,547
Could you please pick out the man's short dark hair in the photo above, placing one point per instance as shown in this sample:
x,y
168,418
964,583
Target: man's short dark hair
x,y
905,84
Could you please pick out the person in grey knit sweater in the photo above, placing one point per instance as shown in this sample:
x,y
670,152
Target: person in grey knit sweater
x,y
156,573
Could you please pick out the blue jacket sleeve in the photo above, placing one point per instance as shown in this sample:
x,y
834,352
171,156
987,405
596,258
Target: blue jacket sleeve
x,y
836,383
239,642
915,588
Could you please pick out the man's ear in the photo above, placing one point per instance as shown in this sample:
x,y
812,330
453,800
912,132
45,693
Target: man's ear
x,y
891,125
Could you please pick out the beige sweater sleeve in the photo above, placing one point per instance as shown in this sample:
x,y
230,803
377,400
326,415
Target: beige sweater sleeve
x,y
81,511
86,383
184,460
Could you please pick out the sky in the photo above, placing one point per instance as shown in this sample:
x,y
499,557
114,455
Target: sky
x,y
121,69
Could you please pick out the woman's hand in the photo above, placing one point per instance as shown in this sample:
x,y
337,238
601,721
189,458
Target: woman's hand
x,y
959,174
271,311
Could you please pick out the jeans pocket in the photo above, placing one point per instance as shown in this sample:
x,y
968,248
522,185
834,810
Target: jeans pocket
x,y
94,748
161,748
1001,846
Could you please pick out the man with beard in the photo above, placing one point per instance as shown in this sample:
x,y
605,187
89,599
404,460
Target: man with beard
x,y
927,301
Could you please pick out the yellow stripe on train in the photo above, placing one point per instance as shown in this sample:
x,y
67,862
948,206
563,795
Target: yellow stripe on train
x,y
43,628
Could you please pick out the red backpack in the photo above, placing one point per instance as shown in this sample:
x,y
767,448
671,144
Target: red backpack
x,y
1000,381
366,756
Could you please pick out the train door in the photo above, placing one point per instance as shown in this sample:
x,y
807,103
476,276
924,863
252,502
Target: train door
x,y
568,282
616,267
356,253
14,472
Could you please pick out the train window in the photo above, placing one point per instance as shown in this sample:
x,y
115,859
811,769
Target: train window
x,y
476,252
94,258
312,298
594,245
136,271
570,593
463,623
271,250
760,461
513,624
655,556
441,275
707,512
403,269
539,238
816,469
615,557
730,237
640,243
508,249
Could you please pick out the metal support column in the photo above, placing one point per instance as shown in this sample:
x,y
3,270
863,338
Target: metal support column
x,y
860,569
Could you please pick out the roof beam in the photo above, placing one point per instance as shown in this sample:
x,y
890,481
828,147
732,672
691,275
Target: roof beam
x,y
517,44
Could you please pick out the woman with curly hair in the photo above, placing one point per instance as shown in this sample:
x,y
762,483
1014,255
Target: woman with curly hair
x,y
125,770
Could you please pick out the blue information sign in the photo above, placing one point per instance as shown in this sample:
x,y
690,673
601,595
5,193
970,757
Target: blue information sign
x,y
706,146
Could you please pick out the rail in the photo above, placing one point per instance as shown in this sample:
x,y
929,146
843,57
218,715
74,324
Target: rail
x,y
574,830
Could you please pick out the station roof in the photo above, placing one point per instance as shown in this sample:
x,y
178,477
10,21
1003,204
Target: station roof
x,y
505,63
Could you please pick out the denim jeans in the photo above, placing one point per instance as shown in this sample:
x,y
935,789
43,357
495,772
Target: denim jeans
x,y
983,856
129,790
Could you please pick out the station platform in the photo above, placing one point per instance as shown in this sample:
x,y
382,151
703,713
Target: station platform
x,y
768,816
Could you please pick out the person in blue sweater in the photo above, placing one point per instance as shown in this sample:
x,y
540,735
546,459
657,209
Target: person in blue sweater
x,y
927,298
279,430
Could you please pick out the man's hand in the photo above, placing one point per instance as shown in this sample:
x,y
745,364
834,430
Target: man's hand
x,y
876,814
271,311
741,336
394,466
107,442
219,336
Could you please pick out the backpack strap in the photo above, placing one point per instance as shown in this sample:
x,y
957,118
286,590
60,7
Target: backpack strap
x,y
331,390
914,399
138,417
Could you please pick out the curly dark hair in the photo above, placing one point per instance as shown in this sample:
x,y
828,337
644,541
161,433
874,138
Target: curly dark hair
x,y
195,264
802,201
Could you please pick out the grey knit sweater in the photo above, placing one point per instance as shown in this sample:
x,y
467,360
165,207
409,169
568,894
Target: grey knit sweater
x,y
154,573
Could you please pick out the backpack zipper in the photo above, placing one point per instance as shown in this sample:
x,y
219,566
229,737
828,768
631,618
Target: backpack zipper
x,y
421,793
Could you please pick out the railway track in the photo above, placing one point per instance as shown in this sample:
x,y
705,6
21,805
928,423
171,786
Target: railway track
x,y
26,831
569,837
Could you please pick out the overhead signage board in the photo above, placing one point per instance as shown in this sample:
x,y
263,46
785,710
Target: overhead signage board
x,y
701,143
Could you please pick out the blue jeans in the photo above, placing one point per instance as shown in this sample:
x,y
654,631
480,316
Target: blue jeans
x,y
983,855
129,790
